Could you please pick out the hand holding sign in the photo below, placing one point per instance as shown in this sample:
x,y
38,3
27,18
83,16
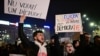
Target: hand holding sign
x,y
22,18
81,32
55,31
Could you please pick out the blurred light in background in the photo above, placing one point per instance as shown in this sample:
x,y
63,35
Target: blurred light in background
x,y
27,25
92,24
84,15
45,26
4,22
87,19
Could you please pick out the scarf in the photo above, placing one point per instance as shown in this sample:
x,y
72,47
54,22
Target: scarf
x,y
42,49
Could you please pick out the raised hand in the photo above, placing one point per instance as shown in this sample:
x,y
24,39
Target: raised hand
x,y
22,18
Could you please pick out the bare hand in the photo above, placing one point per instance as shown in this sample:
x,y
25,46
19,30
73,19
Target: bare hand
x,y
22,18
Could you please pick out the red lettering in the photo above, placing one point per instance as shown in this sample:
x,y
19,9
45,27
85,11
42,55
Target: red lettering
x,y
76,27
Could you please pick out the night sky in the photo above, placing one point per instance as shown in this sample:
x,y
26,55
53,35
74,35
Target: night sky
x,y
91,8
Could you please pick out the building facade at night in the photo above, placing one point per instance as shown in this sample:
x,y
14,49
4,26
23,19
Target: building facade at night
x,y
9,32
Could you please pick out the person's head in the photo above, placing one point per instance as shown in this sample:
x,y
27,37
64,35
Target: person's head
x,y
52,40
55,39
97,40
87,37
38,36
76,43
69,48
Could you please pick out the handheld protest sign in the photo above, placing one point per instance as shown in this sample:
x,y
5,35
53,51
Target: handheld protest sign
x,y
31,8
68,23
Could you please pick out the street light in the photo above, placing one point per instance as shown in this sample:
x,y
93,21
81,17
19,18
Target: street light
x,y
92,24
87,19
84,15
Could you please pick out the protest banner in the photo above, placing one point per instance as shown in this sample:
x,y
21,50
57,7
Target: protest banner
x,y
68,23
31,8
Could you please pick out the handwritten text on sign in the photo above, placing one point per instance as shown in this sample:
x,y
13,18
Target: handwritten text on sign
x,y
68,23
32,8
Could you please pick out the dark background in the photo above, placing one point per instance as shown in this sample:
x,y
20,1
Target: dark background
x,y
91,8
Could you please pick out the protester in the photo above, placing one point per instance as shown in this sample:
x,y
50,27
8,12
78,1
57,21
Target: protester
x,y
55,47
96,46
69,49
38,47
85,48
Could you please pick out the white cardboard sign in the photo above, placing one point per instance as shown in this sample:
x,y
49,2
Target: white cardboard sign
x,y
68,23
31,8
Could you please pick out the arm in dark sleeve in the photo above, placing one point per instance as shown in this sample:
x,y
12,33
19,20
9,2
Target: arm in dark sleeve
x,y
22,36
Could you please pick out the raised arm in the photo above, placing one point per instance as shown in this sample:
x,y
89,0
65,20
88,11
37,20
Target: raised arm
x,y
21,34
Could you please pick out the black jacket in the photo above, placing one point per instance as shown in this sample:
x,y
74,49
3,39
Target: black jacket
x,y
31,46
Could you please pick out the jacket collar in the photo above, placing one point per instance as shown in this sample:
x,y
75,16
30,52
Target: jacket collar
x,y
39,44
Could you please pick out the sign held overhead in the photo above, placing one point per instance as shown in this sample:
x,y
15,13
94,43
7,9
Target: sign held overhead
x,y
68,23
31,8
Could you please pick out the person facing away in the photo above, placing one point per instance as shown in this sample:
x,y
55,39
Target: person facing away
x,y
55,48
38,47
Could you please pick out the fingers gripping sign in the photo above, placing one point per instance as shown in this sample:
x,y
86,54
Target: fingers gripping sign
x,y
22,18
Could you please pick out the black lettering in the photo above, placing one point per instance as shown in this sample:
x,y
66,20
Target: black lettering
x,y
74,21
37,14
58,28
22,5
12,3
33,13
22,11
34,6
28,6
70,27
29,13
12,10
65,27
62,27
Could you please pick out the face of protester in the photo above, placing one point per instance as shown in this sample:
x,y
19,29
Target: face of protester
x,y
39,37
69,48
87,37
97,41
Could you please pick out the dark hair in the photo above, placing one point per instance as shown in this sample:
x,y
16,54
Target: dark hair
x,y
56,39
86,34
36,32
82,37
74,42
96,37
55,36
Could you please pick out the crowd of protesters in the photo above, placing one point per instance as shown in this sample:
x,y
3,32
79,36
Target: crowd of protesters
x,y
82,47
